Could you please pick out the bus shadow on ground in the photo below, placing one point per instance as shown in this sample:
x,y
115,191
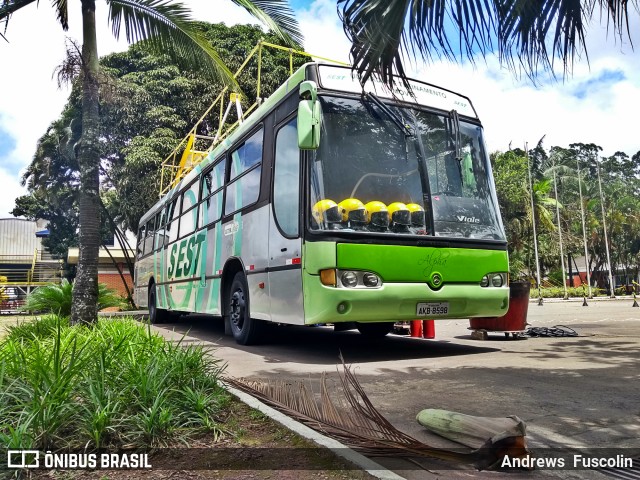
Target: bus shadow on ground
x,y
321,345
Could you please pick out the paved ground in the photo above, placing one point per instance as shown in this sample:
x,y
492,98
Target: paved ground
x,y
579,392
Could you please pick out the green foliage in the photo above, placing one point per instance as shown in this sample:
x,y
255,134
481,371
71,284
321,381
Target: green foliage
x,y
109,385
147,104
57,298
558,292
558,170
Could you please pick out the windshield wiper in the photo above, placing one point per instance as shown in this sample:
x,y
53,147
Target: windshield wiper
x,y
454,130
390,113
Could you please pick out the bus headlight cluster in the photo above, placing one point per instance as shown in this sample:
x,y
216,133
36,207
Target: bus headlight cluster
x,y
494,280
351,279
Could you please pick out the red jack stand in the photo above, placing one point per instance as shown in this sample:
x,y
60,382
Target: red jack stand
x,y
428,329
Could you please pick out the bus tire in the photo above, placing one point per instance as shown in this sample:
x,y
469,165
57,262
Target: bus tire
x,y
156,315
245,330
375,330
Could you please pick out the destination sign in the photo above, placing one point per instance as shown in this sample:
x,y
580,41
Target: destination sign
x,y
337,78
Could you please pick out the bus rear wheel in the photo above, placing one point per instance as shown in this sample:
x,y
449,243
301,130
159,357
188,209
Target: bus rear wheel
x,y
375,330
157,315
245,330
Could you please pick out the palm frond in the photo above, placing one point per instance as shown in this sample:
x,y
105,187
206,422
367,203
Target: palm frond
x,y
527,34
166,28
348,415
382,31
277,16
7,7
62,12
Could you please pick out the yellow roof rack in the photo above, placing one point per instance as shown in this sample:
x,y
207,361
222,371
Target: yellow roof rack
x,y
195,147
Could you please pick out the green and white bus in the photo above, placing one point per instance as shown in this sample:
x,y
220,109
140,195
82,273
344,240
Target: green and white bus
x,y
333,203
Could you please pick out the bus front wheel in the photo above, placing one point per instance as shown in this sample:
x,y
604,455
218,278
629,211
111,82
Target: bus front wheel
x,y
375,330
245,329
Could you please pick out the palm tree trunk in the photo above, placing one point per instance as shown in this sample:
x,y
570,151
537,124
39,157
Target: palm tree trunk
x,y
85,291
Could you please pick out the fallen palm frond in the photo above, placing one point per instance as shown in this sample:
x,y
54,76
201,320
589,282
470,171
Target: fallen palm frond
x,y
352,419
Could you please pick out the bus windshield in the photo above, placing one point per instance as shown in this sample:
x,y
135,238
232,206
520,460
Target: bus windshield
x,y
399,170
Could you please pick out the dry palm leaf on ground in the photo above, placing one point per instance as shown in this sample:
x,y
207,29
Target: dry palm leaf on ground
x,y
348,416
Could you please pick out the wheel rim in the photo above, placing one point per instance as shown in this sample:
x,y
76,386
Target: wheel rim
x,y
237,309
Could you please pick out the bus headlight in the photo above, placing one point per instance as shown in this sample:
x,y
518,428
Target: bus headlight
x,y
497,280
349,279
370,280
494,280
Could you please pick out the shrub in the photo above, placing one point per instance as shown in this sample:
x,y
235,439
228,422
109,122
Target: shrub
x,y
111,384
558,292
57,298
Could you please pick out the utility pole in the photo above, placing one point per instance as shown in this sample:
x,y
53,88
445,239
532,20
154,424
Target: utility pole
x,y
533,222
584,231
564,277
606,241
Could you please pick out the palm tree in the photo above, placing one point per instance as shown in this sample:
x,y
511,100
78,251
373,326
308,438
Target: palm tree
x,y
163,26
525,33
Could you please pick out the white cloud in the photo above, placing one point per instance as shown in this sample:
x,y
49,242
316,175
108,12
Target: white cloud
x,y
512,111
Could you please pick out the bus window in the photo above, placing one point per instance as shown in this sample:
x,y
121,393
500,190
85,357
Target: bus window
x,y
173,213
211,206
248,155
286,181
148,237
160,229
189,210
141,234
246,170
243,191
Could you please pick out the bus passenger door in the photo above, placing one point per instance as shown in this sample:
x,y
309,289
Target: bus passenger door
x,y
285,244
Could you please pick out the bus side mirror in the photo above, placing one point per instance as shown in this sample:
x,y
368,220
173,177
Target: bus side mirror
x,y
309,117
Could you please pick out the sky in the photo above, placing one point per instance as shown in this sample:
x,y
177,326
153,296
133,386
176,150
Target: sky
x,y
597,104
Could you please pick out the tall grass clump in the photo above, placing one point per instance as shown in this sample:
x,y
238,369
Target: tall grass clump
x,y
56,298
113,384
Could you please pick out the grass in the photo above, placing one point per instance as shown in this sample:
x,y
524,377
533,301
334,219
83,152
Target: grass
x,y
115,384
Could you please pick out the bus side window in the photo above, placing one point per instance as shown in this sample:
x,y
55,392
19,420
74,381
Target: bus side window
x,y
148,237
172,220
246,168
211,194
286,181
189,211
141,235
159,236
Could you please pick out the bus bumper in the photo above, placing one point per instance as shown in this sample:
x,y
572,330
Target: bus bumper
x,y
398,301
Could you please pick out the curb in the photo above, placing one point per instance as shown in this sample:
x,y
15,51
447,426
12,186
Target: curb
x,y
338,449
581,299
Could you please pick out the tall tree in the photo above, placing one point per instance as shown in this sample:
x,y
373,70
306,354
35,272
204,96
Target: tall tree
x,y
164,27
529,34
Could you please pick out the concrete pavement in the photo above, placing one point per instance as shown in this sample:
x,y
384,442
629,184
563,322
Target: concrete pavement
x,y
578,392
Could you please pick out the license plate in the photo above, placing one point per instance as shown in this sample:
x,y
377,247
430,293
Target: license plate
x,y
432,308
